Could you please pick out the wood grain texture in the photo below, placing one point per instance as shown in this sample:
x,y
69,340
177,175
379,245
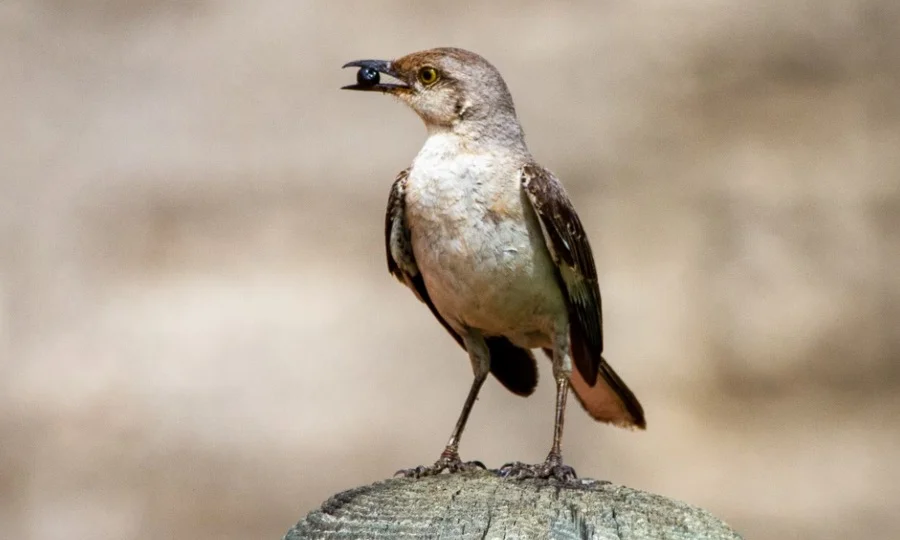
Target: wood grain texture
x,y
483,505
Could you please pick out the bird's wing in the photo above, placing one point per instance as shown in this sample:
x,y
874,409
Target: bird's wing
x,y
611,401
568,245
512,366
400,258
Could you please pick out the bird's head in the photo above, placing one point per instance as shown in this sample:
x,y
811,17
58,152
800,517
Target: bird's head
x,y
450,89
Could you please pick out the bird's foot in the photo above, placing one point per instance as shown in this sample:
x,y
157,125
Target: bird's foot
x,y
449,461
552,467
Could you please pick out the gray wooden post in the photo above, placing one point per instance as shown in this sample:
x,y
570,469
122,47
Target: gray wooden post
x,y
483,505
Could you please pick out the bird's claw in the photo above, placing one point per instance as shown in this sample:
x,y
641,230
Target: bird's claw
x,y
447,462
551,468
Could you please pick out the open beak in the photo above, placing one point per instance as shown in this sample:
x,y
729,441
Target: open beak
x,y
381,66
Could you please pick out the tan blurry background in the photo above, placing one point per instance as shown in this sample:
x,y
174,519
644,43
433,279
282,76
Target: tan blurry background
x,y
199,337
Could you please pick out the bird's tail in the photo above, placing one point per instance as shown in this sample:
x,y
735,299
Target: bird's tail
x,y
513,366
609,400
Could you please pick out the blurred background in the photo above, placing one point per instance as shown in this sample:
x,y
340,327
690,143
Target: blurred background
x,y
199,336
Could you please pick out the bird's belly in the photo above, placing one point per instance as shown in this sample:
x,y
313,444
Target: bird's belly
x,y
488,273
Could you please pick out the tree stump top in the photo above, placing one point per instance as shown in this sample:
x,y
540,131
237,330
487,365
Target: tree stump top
x,y
483,505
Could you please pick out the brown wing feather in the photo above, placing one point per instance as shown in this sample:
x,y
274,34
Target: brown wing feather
x,y
569,247
612,401
514,367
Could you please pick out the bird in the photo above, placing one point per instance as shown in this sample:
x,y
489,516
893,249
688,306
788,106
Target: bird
x,y
490,242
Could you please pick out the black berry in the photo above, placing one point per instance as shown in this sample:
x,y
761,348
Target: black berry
x,y
367,76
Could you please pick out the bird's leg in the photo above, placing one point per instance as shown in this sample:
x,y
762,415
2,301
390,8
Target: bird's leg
x,y
449,460
553,466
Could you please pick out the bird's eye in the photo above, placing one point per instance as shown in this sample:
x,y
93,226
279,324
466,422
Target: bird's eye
x,y
428,75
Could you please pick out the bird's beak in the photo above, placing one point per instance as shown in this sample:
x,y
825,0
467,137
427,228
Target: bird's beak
x,y
381,66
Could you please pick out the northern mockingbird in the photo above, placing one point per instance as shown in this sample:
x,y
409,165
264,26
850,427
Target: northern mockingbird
x,y
489,241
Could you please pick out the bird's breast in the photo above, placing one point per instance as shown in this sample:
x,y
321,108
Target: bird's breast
x,y
479,247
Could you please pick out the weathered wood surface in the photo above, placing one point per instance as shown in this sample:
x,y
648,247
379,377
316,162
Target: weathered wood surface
x,y
483,505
